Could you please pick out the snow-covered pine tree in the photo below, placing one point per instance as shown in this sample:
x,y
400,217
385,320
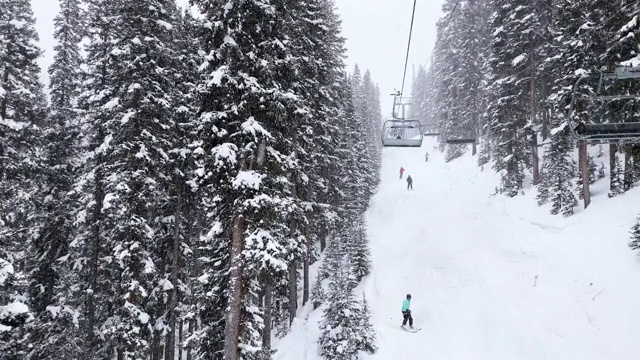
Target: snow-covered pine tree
x,y
184,205
508,118
339,327
373,130
420,98
616,185
14,314
456,89
558,169
601,171
619,48
448,70
21,113
368,147
315,31
593,168
89,254
360,252
252,138
353,148
634,243
54,333
318,296
336,250
140,130
367,337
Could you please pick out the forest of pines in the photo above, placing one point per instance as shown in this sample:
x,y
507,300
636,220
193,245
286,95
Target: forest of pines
x,y
502,72
166,197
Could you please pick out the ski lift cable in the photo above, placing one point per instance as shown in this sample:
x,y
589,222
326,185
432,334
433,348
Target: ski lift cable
x,y
406,61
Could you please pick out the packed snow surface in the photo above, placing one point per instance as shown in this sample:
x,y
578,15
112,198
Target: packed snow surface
x,y
491,277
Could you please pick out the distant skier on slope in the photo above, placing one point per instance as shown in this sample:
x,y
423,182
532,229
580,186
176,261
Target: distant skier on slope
x,y
401,171
409,182
406,312
426,156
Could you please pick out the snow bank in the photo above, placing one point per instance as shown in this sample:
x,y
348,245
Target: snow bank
x,y
491,277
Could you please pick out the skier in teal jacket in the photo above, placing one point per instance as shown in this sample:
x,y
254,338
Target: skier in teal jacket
x,y
406,312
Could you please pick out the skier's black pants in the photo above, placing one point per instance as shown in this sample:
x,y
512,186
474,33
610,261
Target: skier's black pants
x,y
407,316
409,185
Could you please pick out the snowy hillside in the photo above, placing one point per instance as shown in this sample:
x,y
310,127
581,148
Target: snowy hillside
x,y
491,277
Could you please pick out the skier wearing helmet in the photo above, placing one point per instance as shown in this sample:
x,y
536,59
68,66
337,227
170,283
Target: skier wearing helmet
x,y
406,312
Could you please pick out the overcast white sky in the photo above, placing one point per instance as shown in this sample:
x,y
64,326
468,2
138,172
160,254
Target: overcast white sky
x,y
376,32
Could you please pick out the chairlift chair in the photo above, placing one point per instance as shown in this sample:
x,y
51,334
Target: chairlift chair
x,y
461,141
596,129
464,141
430,130
402,133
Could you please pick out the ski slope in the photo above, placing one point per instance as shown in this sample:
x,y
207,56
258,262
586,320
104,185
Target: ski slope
x,y
491,277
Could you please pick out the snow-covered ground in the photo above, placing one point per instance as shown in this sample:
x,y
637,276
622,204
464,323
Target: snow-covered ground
x,y
491,277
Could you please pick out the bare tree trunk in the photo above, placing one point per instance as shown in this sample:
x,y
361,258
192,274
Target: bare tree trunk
x,y
268,315
192,328
98,195
307,260
293,290
180,338
583,164
613,149
170,350
232,325
156,347
323,238
293,266
3,104
97,218
534,112
536,158
628,175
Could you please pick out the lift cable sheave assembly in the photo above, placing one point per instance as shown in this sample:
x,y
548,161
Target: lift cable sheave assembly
x,y
401,130
594,125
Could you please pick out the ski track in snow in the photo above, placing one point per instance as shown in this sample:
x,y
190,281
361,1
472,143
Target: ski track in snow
x,y
491,277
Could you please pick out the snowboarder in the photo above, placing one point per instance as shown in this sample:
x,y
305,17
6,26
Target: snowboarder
x,y
426,157
401,171
406,312
409,182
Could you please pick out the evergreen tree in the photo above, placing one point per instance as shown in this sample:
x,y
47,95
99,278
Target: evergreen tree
x,y
367,338
359,249
592,176
54,331
557,177
339,327
508,119
251,134
318,296
617,175
89,255
601,171
634,244
22,106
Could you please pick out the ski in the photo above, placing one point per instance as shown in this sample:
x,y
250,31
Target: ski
x,y
411,330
